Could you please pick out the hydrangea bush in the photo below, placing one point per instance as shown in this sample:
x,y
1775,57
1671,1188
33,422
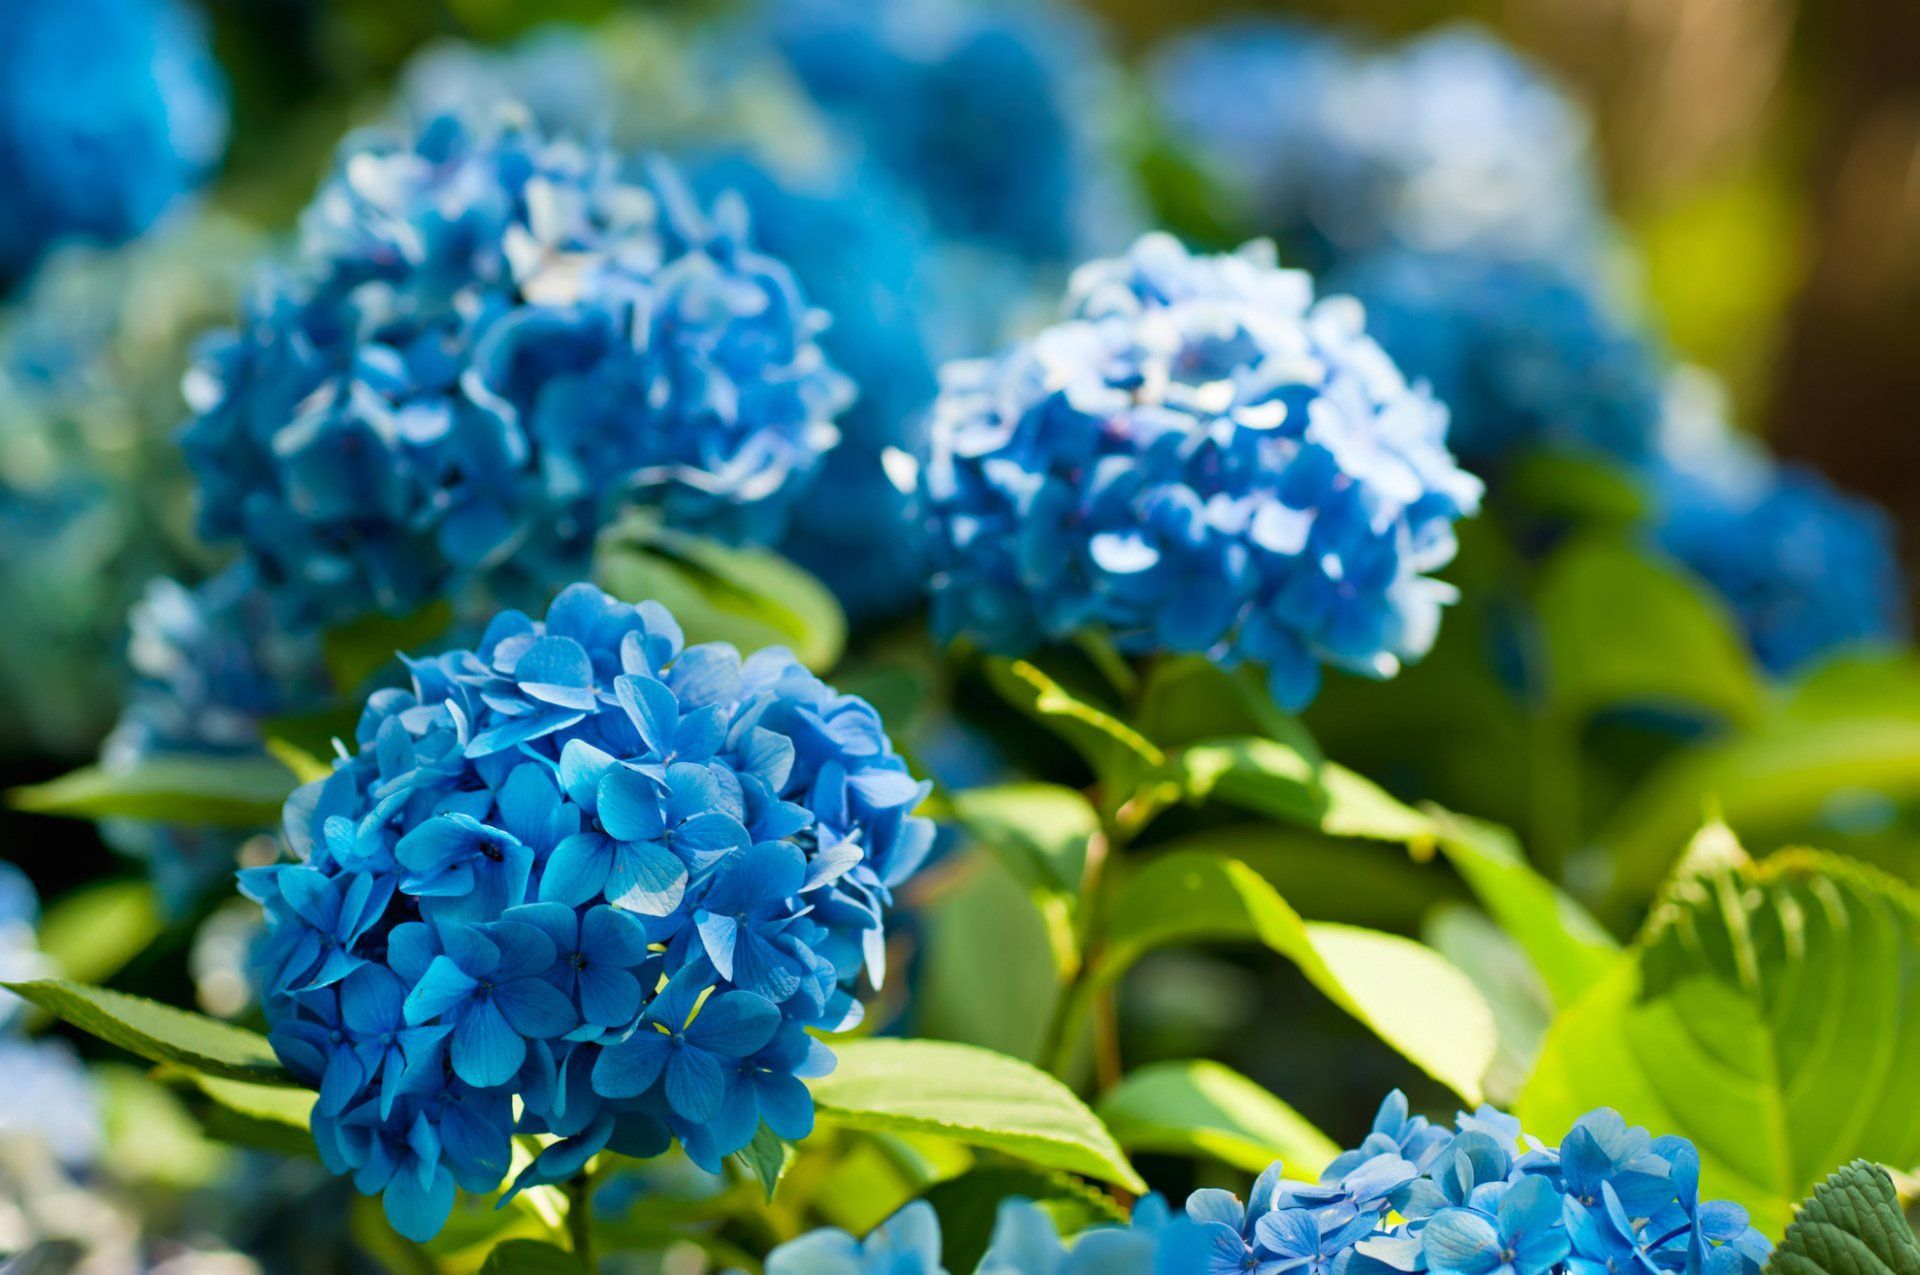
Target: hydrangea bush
x,y
112,111
1470,1199
1200,457
589,872
485,340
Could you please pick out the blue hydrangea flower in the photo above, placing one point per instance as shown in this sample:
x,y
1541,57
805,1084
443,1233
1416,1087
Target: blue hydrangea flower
x,y
981,110
590,868
111,110
210,667
1199,457
486,342
1805,568
1526,354
1475,1198
1450,141
94,496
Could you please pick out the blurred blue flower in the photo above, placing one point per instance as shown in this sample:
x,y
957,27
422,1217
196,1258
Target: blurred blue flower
x,y
210,667
908,1243
112,110
1805,568
486,342
1448,142
982,111
1200,457
1525,354
611,876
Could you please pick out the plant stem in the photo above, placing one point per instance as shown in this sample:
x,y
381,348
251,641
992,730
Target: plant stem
x,y
580,1218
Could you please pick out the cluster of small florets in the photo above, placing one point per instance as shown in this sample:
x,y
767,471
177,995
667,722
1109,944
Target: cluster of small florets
x,y
1805,568
1199,458
112,110
1414,1197
590,869
486,339
1448,142
210,668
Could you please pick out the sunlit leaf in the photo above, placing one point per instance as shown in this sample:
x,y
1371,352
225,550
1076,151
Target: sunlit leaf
x,y
972,1095
1406,993
159,1032
1204,1108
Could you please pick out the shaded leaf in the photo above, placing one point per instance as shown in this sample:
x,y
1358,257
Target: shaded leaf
x,y
973,1096
743,594
1204,1108
227,792
1674,644
273,1118
530,1257
159,1032
1039,831
1852,1226
767,1157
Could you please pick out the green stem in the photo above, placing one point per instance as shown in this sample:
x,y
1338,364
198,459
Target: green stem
x,y
1085,987
580,1218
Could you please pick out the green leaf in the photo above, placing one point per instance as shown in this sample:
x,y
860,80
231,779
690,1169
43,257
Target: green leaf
x,y
743,594
274,1118
1110,746
1852,1226
306,767
92,933
1569,949
227,792
1405,993
1039,831
530,1257
1673,644
1262,775
1358,807
973,1096
1203,1108
767,1157
969,1205
151,1138
159,1032
355,653
1770,1013
1188,698
990,963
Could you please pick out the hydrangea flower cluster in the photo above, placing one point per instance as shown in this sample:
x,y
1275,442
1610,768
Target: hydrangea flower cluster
x,y
1805,568
94,497
591,870
1525,353
210,668
983,111
487,340
112,110
1473,1199
1450,141
1200,457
